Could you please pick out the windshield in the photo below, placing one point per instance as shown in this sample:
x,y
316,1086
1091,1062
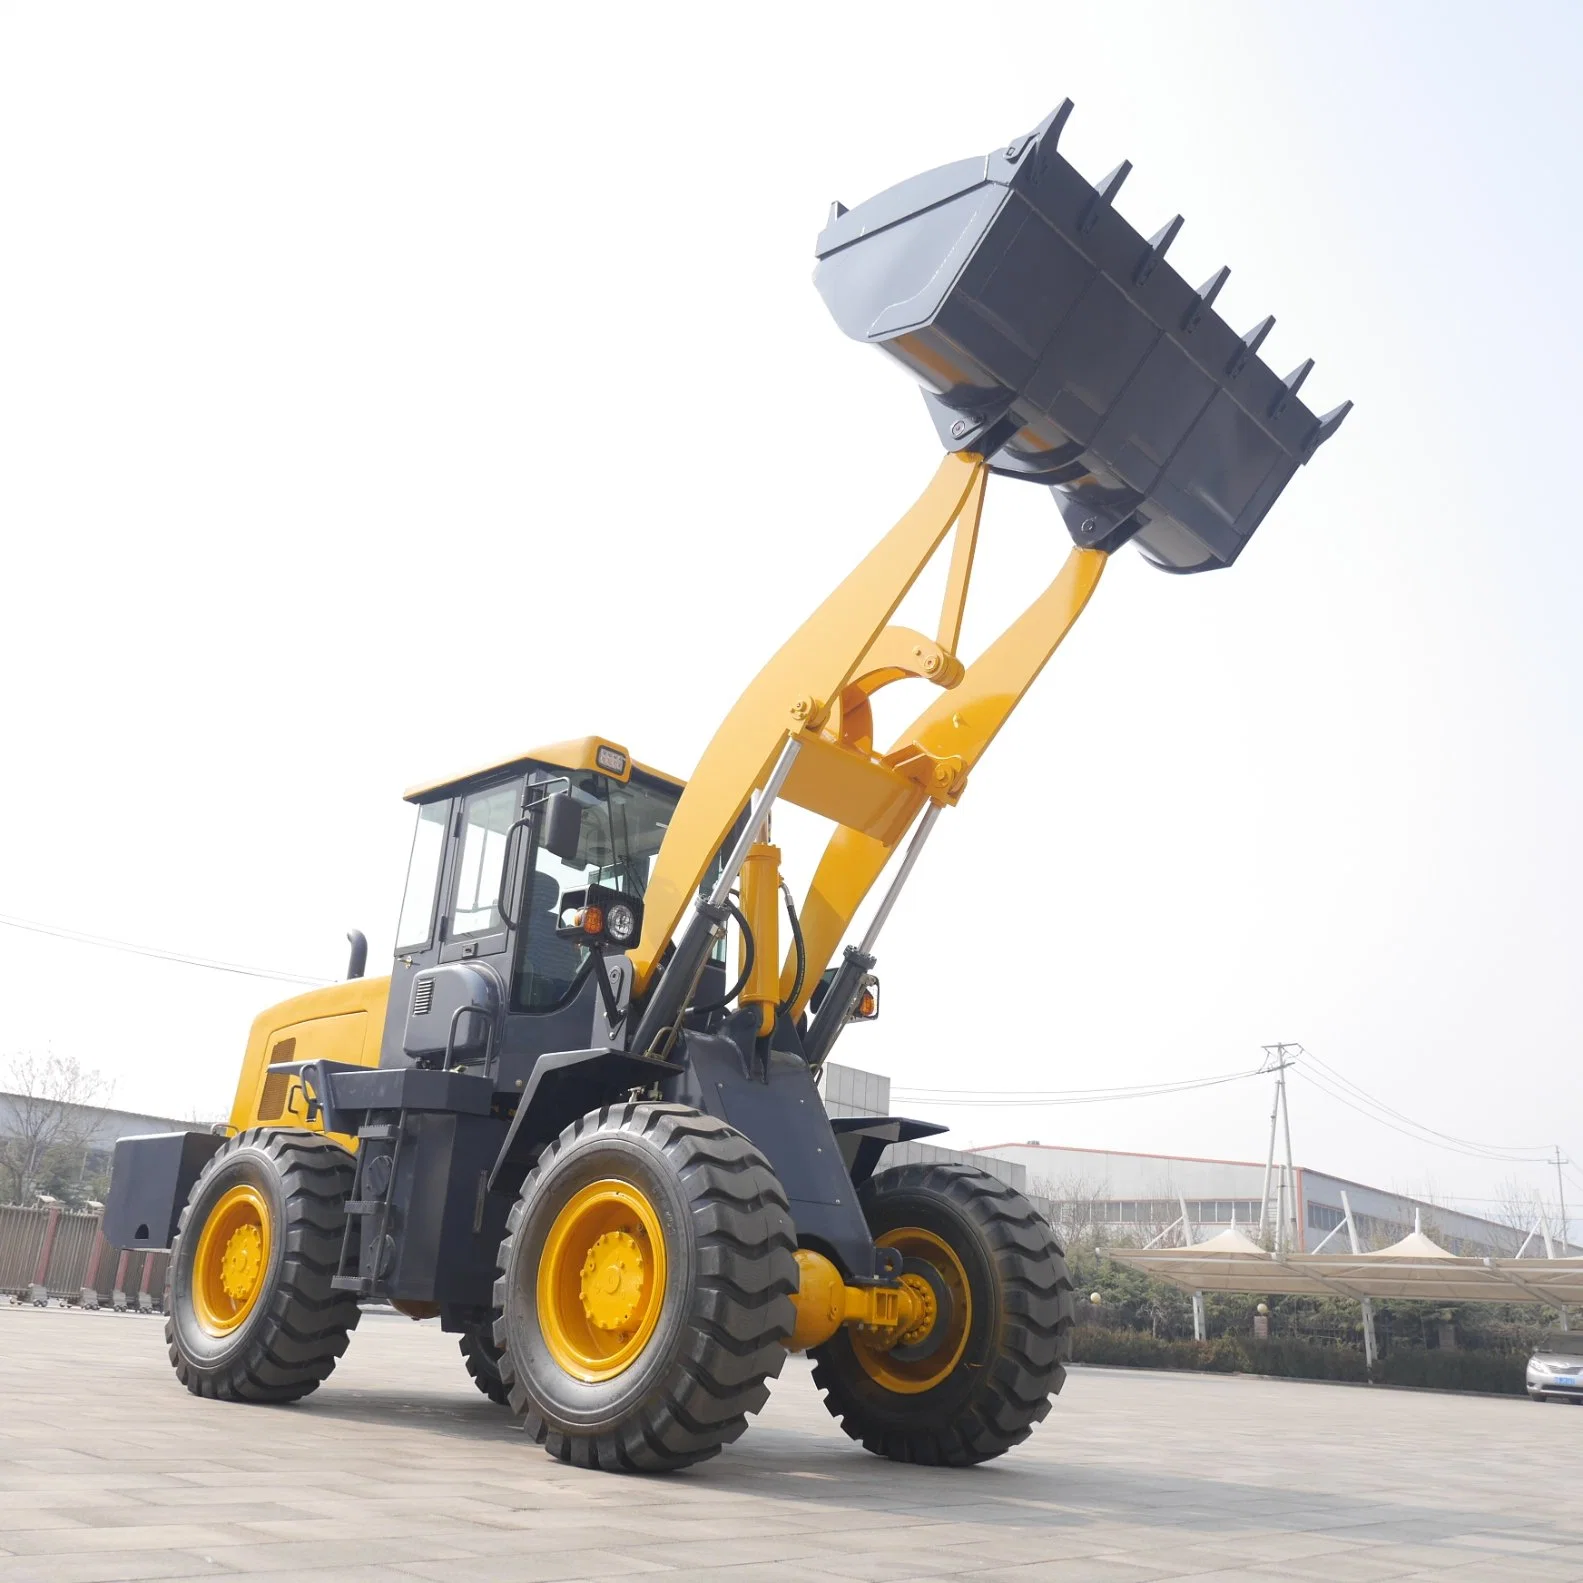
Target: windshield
x,y
622,828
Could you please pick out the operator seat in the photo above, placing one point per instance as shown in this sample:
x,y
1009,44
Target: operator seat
x,y
550,961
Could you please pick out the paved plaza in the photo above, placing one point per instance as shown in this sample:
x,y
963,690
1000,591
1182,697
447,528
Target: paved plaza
x,y
398,1469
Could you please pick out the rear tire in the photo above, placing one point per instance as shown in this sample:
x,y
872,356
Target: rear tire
x,y
997,1359
252,1315
482,1359
645,1290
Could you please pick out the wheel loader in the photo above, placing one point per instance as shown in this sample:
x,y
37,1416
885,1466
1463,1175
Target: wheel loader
x,y
570,1123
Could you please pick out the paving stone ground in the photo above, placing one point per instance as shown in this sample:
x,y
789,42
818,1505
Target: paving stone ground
x,y
398,1469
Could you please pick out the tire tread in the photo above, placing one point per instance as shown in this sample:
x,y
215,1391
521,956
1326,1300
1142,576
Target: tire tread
x,y
746,1248
1037,1311
306,1326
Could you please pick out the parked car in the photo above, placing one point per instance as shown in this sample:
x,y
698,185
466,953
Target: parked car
x,y
1555,1371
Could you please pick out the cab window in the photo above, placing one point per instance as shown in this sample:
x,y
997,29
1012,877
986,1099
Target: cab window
x,y
416,925
622,829
487,817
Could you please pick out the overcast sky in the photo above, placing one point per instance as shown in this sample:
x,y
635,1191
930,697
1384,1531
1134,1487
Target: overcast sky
x,y
385,390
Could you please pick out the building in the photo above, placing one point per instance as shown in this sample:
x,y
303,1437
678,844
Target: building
x,y
87,1133
1126,1194
847,1091
1119,1195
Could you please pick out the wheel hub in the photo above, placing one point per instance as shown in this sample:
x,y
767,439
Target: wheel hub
x,y
923,1355
928,1310
613,1279
600,1285
230,1266
242,1263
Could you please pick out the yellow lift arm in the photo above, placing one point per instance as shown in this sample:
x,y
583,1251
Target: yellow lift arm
x,y
803,730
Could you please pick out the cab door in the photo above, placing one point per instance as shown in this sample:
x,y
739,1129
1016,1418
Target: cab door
x,y
452,908
473,923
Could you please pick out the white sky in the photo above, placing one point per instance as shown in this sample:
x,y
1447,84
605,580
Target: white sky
x,y
384,390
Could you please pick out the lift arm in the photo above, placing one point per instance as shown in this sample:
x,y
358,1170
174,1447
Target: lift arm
x,y
1056,344
792,697
816,693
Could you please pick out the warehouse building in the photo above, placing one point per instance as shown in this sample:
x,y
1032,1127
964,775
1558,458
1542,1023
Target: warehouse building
x,y
1117,1195
1127,1195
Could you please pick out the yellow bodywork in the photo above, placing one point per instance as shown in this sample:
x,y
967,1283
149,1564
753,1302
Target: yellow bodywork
x,y
342,1022
817,690
581,753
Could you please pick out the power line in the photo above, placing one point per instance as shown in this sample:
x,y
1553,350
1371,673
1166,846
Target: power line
x,y
78,937
1006,1098
1415,1132
1488,1149
1419,1133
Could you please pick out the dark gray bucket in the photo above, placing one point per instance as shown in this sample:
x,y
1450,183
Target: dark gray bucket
x,y
1053,338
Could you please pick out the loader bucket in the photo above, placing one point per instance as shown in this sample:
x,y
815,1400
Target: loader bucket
x,y
1055,340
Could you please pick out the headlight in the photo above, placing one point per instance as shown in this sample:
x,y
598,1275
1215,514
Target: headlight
x,y
620,922
1536,1367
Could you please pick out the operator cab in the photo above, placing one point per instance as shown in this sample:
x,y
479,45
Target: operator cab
x,y
522,875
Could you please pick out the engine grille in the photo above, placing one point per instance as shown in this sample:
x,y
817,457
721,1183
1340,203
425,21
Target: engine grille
x,y
423,995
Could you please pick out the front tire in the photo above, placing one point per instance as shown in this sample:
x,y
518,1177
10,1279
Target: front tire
x,y
481,1357
982,1376
646,1289
252,1315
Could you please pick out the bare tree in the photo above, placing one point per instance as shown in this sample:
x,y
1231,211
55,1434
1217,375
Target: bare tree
x,y
1072,1204
1518,1207
45,1122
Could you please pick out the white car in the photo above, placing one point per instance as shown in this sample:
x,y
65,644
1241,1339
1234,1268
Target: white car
x,y
1555,1371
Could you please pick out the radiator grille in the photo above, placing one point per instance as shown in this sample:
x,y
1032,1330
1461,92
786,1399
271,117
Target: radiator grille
x,y
272,1102
423,995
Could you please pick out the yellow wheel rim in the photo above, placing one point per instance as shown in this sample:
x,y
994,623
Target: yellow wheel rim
x,y
601,1282
231,1267
873,1353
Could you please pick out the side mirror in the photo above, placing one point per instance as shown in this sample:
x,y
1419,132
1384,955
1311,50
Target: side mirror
x,y
563,826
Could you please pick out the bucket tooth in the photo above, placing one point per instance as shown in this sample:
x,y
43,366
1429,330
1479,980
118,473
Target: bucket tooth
x,y
837,209
1251,342
1060,344
1293,383
1048,132
1104,196
1325,427
1158,244
1206,295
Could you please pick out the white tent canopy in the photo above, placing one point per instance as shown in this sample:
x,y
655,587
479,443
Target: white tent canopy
x,y
1415,1267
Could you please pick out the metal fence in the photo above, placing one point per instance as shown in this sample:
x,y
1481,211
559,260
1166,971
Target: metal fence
x,y
61,1253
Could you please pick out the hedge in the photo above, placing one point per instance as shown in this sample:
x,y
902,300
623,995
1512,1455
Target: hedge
x,y
1498,1372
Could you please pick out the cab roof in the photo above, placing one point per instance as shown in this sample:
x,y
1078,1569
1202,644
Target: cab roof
x,y
582,753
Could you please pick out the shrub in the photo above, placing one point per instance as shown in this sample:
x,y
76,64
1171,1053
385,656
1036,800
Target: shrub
x,y
1496,1372
1224,1355
1501,1373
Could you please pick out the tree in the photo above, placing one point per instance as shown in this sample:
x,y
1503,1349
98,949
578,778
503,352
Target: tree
x,y
46,1126
1071,1203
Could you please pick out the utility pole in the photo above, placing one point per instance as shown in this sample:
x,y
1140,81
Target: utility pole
x,y
1566,1229
1277,1057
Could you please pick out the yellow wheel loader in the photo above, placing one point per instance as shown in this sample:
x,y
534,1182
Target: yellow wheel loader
x,y
565,1123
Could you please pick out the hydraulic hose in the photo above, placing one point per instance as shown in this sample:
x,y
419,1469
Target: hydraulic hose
x,y
802,951
749,951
